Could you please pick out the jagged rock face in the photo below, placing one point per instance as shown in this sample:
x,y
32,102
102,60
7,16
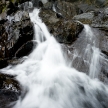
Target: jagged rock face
x,y
64,31
13,30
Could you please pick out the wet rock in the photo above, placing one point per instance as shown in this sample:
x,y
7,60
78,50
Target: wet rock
x,y
67,31
8,98
25,49
65,9
85,18
8,82
26,6
26,36
10,90
64,31
100,19
97,18
38,3
14,32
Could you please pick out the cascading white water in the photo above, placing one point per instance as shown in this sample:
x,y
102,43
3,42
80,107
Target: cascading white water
x,y
49,82
94,68
87,56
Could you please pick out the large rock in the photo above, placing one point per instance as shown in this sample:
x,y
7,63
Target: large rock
x,y
15,30
64,31
10,90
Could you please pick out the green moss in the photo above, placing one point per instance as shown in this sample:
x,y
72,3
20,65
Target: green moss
x,y
4,9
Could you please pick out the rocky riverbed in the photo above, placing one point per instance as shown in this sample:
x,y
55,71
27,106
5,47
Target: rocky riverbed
x,y
64,20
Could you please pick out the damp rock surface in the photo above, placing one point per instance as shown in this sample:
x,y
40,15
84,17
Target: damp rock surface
x,y
10,90
65,31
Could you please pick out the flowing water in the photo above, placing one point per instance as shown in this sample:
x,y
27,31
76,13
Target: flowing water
x,y
48,80
86,54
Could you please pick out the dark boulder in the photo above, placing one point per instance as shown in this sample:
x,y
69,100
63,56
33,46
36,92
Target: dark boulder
x,y
67,31
10,90
25,49
64,31
14,32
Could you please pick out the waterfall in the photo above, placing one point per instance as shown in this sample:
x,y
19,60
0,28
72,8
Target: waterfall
x,y
48,81
87,56
94,68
